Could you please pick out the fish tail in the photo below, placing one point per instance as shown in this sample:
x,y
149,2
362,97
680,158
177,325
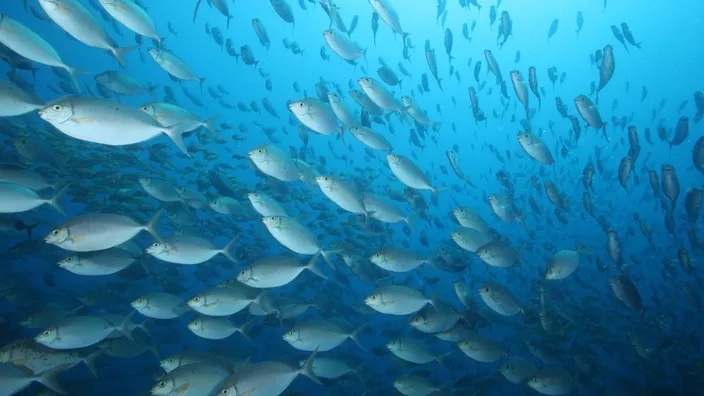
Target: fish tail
x,y
48,379
120,52
327,258
307,368
227,250
175,132
411,221
244,330
210,125
122,328
151,226
73,72
54,202
312,266
195,13
355,336
30,229
89,361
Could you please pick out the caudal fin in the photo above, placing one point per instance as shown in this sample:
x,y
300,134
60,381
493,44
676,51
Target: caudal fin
x,y
211,124
175,132
227,250
120,52
312,266
153,223
355,336
73,72
54,202
307,368
48,379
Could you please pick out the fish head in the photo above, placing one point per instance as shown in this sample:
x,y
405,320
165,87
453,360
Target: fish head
x,y
536,383
393,159
48,336
164,387
364,82
197,301
292,336
299,107
333,97
102,78
57,112
418,320
69,262
50,5
258,154
245,275
140,303
325,182
156,248
196,325
217,206
156,54
149,109
400,384
374,300
170,364
552,273
271,221
58,236
378,258
393,345
485,290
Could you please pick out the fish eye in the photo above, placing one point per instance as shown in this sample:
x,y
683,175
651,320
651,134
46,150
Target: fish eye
x,y
141,300
69,258
162,384
225,391
196,299
172,360
373,297
55,232
260,151
46,333
57,107
300,104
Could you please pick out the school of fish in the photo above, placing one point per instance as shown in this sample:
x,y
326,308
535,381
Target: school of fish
x,y
181,232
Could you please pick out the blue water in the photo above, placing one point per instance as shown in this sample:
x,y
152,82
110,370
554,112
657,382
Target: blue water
x,y
668,65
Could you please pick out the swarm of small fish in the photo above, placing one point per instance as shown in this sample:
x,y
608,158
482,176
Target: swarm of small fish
x,y
228,240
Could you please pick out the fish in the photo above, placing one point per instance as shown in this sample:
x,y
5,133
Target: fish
x,y
108,122
628,35
133,17
74,18
28,44
174,65
409,173
189,250
606,69
159,305
99,231
590,113
397,300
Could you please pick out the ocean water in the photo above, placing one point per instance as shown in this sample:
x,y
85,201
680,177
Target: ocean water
x,y
582,332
